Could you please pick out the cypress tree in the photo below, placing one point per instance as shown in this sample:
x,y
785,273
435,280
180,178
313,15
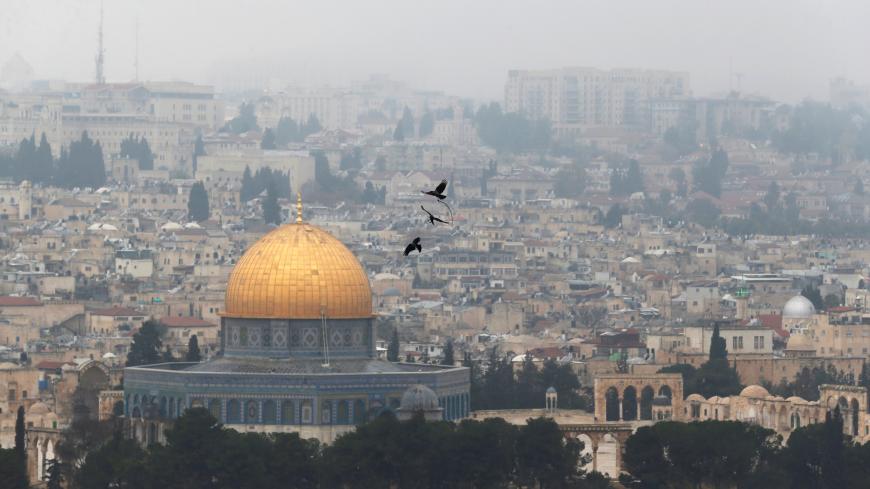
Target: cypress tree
x,y
247,192
19,433
197,203
271,210
268,141
393,348
193,354
718,349
448,354
43,162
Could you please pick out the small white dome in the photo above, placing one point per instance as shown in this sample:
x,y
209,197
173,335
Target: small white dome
x,y
171,226
798,307
419,398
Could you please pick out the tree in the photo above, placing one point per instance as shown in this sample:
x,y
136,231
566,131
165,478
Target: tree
x,y
706,454
570,182
247,191
268,141
393,348
244,122
543,458
287,131
716,377
613,218
427,124
193,354
20,433
703,212
351,160
82,166
118,463
146,345
271,209
448,354
13,473
43,162
833,300
407,123
138,149
312,126
197,203
812,293
718,348
398,133
707,175
512,132
54,471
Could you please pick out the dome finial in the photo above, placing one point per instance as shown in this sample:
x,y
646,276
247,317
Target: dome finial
x,y
298,207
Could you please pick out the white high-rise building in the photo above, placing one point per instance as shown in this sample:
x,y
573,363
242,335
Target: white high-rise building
x,y
578,98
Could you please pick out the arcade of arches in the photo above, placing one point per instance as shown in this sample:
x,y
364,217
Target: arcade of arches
x,y
629,397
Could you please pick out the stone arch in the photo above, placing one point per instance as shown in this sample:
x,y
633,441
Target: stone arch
x,y
666,391
270,412
48,456
854,411
795,420
646,398
588,453
306,412
136,412
629,403
163,404
611,398
171,410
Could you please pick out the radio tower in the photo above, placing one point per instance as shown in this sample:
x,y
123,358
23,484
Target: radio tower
x,y
101,79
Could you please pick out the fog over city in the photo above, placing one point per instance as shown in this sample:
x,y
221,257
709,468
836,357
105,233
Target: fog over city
x,y
784,49
477,244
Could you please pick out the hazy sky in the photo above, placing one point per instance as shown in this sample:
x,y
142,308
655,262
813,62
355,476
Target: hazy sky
x,y
786,49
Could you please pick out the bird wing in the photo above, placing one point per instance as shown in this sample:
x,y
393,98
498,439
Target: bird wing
x,y
409,249
441,220
424,210
441,186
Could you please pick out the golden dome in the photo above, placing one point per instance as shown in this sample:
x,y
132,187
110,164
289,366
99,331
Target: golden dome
x,y
298,271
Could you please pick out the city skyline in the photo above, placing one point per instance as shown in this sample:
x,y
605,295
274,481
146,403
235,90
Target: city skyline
x,y
785,54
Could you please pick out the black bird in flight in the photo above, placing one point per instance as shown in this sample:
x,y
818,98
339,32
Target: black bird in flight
x,y
439,190
432,217
415,245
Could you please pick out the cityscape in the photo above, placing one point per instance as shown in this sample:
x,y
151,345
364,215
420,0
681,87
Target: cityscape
x,y
579,276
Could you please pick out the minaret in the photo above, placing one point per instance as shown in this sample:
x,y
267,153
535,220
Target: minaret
x,y
101,79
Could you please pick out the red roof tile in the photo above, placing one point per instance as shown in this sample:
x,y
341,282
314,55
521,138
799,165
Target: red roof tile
x,y
9,301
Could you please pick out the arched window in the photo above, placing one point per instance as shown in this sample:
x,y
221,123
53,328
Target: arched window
x,y
234,411
307,412
360,415
214,407
251,412
343,413
288,412
326,413
270,412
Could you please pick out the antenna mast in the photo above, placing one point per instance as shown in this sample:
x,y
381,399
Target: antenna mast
x,y
136,61
101,79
